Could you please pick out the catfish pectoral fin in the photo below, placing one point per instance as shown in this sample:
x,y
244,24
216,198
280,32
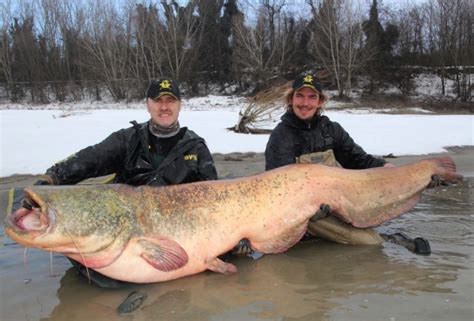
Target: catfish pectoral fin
x,y
217,265
162,253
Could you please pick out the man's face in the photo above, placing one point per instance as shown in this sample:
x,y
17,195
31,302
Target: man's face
x,y
164,111
306,103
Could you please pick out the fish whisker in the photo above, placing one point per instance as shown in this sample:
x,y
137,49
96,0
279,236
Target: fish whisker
x,y
25,259
51,263
79,251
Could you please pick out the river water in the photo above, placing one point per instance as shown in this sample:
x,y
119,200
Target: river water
x,y
312,281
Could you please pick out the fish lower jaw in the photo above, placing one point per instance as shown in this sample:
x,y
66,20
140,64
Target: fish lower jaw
x,y
27,239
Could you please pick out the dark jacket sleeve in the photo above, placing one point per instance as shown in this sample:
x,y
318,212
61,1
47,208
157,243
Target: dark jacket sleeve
x,y
349,154
101,159
280,150
206,169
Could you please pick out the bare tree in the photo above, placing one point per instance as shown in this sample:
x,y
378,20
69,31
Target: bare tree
x,y
106,40
5,44
76,47
337,39
51,47
272,9
27,60
71,16
450,30
262,50
249,48
411,22
181,33
147,53
167,39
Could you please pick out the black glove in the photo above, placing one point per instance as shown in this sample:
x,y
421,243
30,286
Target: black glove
x,y
44,180
323,211
242,248
436,180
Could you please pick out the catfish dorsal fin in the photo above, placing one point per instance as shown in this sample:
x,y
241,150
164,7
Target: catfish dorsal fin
x,y
162,253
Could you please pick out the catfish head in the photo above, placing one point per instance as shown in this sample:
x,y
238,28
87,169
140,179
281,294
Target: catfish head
x,y
90,223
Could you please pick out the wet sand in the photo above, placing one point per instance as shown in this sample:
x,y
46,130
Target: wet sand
x,y
312,281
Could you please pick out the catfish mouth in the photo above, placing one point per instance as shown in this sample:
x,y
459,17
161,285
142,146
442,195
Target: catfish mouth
x,y
32,217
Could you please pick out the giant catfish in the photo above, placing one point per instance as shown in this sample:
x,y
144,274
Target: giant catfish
x,y
152,234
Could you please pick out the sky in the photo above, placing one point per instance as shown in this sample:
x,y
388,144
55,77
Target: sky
x,y
33,140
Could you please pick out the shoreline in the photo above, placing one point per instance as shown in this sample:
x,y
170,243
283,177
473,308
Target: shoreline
x,y
238,164
246,164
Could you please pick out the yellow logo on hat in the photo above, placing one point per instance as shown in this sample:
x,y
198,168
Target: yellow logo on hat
x,y
308,78
165,84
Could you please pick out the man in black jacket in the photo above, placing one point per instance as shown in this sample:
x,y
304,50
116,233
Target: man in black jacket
x,y
306,136
158,152
304,131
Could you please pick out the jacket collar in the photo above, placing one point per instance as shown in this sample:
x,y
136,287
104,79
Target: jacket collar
x,y
291,120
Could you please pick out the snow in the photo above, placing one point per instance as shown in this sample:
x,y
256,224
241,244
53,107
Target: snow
x,y
33,139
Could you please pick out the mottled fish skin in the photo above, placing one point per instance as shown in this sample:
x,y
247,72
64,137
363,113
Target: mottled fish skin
x,y
152,234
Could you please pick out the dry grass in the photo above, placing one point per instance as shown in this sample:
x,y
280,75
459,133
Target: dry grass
x,y
261,108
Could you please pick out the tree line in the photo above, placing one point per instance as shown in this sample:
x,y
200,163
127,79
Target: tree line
x,y
58,50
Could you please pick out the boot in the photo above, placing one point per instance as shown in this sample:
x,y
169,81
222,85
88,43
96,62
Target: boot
x,y
417,245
